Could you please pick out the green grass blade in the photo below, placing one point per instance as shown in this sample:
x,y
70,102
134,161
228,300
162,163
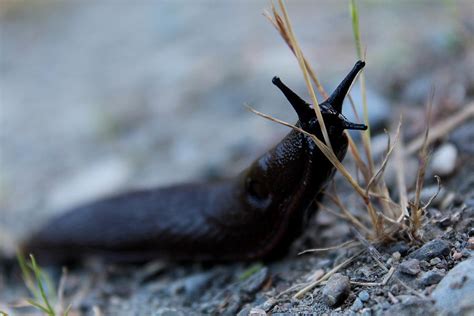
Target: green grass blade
x,y
39,306
37,272
366,134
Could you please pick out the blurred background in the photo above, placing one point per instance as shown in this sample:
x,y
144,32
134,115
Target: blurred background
x,y
103,96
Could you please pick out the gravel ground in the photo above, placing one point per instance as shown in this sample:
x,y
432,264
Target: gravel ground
x,y
100,97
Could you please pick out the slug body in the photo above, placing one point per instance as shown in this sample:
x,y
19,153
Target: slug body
x,y
254,215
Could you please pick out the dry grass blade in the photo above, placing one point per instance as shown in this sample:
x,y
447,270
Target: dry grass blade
x,y
357,158
401,183
312,285
371,249
343,245
284,26
381,170
280,27
416,210
442,129
438,180
345,212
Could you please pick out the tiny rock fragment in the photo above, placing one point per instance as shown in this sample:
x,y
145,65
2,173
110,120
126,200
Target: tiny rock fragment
x,y
255,281
336,290
435,261
257,312
431,277
396,256
364,296
410,267
431,249
457,255
357,305
470,243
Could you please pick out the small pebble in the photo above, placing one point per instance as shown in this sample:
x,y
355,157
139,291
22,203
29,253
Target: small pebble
x,y
435,261
470,243
257,312
431,277
357,305
431,249
255,281
410,267
364,296
396,256
244,311
424,265
268,304
443,161
336,290
457,255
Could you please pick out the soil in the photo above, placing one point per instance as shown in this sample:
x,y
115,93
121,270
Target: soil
x,y
120,127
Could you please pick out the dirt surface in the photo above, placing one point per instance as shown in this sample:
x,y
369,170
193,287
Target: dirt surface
x,y
98,98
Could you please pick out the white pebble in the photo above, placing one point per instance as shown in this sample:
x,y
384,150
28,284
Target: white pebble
x,y
444,159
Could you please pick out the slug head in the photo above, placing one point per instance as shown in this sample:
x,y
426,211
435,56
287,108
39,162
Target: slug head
x,y
330,109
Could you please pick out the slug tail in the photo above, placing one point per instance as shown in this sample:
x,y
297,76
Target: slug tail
x,y
337,97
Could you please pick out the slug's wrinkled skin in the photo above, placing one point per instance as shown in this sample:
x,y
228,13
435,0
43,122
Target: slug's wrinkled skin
x,y
252,216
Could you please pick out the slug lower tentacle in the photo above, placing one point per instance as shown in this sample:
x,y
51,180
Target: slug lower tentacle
x,y
254,215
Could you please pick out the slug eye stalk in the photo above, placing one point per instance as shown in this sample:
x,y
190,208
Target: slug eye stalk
x,y
304,111
336,99
332,106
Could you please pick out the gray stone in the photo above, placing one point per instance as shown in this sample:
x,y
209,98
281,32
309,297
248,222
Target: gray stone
x,y
268,304
364,296
192,285
454,293
431,277
257,312
336,290
463,137
357,305
244,311
410,267
255,281
412,307
167,311
431,249
435,261
443,161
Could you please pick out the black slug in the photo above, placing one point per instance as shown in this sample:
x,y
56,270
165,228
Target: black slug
x,y
255,215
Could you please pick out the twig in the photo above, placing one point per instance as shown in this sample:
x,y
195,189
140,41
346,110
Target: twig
x,y
377,258
385,160
400,174
371,249
290,38
344,244
420,177
442,128
327,275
